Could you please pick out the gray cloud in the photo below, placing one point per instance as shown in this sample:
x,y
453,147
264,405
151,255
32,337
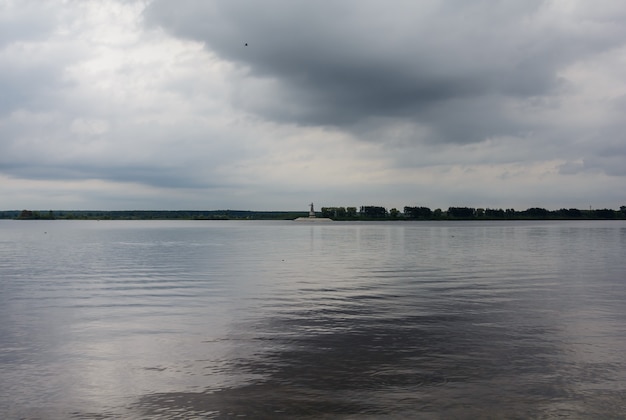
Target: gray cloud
x,y
26,86
26,20
446,65
482,103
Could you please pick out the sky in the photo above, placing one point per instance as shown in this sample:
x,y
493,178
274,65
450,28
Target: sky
x,y
271,105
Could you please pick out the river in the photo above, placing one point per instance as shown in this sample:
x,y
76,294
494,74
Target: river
x,y
276,319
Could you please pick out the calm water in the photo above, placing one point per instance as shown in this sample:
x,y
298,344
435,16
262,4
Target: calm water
x,y
215,319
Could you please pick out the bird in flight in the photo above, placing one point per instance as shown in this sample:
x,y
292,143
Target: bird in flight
x,y
246,44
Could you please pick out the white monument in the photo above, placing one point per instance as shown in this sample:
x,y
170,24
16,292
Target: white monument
x,y
312,217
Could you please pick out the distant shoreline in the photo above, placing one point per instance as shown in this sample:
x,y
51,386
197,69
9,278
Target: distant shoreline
x,y
366,213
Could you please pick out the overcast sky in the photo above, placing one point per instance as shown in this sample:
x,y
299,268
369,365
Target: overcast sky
x,y
162,105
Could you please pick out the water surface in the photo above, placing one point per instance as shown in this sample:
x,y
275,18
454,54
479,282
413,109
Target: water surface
x,y
219,319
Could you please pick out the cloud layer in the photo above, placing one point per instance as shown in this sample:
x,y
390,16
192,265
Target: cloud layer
x,y
123,104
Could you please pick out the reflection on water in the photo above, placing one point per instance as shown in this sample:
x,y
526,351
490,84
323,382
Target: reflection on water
x,y
277,320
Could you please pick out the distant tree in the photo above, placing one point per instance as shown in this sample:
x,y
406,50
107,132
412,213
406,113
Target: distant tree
x,y
334,212
494,214
604,214
373,212
569,213
575,213
393,213
9,214
437,213
417,212
351,212
536,212
461,212
26,214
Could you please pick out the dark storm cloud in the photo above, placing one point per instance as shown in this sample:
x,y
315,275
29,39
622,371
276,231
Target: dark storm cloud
x,y
445,65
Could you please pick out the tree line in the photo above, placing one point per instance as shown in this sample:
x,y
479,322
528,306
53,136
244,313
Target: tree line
x,y
149,215
467,213
335,213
